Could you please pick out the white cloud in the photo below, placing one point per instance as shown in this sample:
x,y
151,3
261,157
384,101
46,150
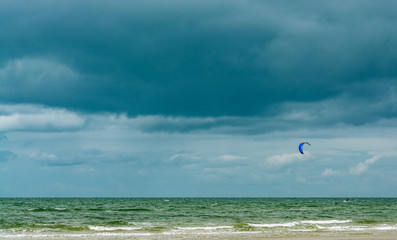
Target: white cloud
x,y
213,173
286,159
37,118
43,155
35,71
229,158
182,157
328,172
363,166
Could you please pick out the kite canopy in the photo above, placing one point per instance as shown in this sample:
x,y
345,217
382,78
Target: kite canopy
x,y
301,145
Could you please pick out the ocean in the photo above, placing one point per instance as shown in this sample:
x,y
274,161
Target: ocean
x,y
195,218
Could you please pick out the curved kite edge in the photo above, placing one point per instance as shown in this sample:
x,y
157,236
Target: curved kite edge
x,y
301,145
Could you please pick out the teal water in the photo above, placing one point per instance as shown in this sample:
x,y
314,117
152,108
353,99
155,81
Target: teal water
x,y
133,217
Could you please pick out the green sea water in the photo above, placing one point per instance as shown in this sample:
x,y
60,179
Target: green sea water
x,y
149,218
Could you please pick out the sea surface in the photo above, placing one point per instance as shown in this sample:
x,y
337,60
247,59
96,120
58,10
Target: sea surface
x,y
173,218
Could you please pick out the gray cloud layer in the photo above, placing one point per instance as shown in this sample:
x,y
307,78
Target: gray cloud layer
x,y
203,59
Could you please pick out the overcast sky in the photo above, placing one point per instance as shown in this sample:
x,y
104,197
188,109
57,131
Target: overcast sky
x,y
152,98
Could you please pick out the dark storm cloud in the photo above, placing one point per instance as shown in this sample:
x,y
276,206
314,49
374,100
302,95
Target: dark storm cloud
x,y
200,58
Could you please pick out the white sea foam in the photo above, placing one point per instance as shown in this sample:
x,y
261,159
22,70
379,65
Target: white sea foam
x,y
178,232
135,234
60,209
103,229
324,225
274,225
204,230
99,235
293,224
199,230
326,221
215,228
358,228
385,227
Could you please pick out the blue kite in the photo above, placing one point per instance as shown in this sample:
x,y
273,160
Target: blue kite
x,y
301,145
